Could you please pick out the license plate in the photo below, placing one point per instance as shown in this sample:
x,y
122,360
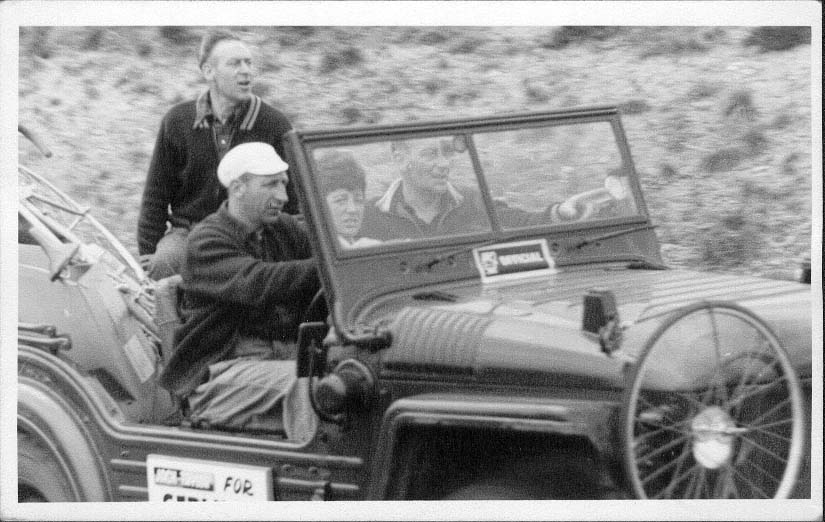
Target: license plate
x,y
174,479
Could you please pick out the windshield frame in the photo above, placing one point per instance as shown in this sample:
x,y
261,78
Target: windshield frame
x,y
337,264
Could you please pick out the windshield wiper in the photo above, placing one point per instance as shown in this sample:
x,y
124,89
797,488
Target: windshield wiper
x,y
450,256
447,256
609,235
644,264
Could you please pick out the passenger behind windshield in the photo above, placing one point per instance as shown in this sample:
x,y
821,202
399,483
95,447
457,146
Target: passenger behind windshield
x,y
424,201
343,183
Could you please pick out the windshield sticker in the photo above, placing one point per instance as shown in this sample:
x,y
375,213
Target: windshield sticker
x,y
507,261
174,479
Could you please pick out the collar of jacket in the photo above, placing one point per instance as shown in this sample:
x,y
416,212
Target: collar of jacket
x,y
391,198
240,228
203,109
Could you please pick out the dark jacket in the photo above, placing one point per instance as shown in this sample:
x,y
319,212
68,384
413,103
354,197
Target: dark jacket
x,y
389,217
182,173
239,282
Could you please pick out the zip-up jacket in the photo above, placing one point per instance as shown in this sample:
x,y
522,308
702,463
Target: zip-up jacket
x,y
237,282
182,186
462,211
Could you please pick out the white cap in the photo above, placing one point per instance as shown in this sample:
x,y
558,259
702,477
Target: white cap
x,y
255,158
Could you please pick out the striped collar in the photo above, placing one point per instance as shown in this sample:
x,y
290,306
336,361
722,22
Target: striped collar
x,y
393,195
203,109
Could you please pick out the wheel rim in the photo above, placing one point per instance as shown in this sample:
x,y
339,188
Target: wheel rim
x,y
719,418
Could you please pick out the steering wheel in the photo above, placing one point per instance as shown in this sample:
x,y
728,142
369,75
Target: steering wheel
x,y
317,310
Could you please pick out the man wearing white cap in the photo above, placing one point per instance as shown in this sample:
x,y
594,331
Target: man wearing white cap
x,y
247,278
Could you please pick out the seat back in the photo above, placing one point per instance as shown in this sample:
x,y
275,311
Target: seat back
x,y
167,314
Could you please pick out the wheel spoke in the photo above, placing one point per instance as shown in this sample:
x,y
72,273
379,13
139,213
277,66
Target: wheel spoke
x,y
659,429
693,473
658,472
779,405
755,389
686,451
725,485
747,372
718,383
664,467
770,433
692,399
765,450
700,485
761,470
677,479
770,424
662,449
750,484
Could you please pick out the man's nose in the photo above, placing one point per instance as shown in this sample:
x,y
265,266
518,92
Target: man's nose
x,y
351,206
245,68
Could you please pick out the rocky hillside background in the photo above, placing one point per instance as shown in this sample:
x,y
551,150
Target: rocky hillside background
x,y
719,119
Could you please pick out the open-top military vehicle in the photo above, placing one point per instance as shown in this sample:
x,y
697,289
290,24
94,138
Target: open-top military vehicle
x,y
544,351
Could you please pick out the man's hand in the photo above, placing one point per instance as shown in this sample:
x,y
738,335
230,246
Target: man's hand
x,y
146,261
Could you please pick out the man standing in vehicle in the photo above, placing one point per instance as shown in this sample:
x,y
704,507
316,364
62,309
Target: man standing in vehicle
x,y
181,186
247,278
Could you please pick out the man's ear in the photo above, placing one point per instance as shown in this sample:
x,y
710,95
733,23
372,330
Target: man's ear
x,y
207,71
237,187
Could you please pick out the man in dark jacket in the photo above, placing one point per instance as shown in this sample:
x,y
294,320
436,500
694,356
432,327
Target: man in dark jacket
x,y
181,186
247,278
423,202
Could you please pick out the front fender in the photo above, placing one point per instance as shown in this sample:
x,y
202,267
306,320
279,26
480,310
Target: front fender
x,y
51,419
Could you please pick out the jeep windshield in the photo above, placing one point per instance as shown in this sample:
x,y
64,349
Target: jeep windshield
x,y
388,204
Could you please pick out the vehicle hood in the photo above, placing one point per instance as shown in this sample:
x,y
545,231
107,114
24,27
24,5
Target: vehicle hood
x,y
533,327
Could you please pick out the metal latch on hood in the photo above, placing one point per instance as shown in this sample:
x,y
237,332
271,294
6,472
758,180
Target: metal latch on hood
x,y
600,317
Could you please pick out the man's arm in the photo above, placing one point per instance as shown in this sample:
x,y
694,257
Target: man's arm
x,y
218,267
515,217
157,193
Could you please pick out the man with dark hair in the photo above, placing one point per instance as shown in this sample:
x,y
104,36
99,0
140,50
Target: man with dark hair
x,y
181,186
248,277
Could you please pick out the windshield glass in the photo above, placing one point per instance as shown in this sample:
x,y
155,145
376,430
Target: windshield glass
x,y
391,191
